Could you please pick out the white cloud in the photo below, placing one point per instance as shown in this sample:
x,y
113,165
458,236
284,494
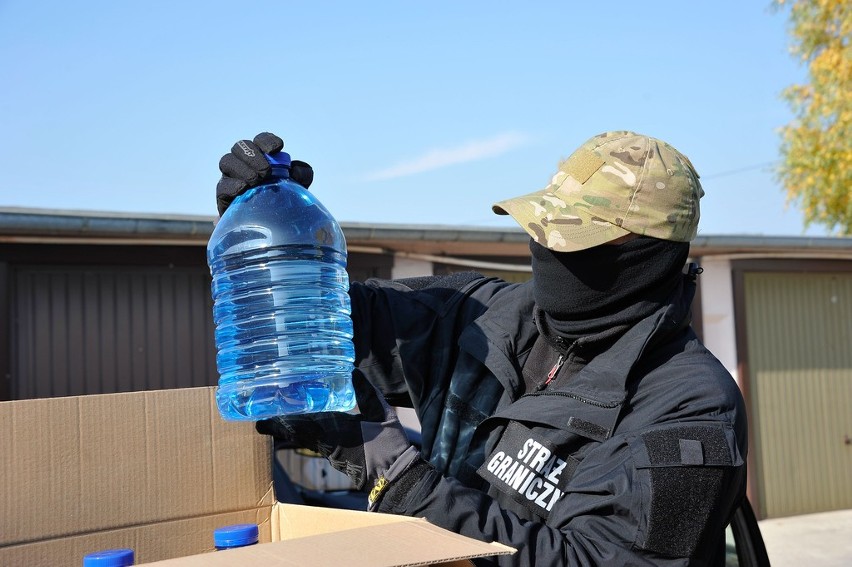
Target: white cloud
x,y
442,157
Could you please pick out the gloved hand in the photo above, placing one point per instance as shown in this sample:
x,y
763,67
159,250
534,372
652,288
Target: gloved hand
x,y
363,446
246,167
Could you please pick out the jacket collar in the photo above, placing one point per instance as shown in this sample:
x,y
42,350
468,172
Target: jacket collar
x,y
502,337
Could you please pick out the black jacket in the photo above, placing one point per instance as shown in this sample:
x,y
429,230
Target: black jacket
x,y
635,457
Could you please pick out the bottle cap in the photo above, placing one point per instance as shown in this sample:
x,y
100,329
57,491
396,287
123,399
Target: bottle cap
x,y
279,158
237,535
109,558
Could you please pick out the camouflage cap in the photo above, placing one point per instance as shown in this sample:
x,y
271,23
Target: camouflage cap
x,y
615,184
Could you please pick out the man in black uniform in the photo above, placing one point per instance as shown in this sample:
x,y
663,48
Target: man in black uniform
x,y
577,417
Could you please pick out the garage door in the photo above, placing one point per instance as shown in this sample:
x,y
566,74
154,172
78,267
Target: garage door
x,y
799,344
103,329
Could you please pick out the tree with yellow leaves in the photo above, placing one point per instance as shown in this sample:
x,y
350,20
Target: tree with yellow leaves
x,y
816,146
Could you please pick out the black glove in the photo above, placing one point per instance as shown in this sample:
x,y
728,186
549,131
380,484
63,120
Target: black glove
x,y
363,446
246,167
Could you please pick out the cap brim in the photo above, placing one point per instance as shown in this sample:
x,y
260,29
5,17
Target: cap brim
x,y
556,225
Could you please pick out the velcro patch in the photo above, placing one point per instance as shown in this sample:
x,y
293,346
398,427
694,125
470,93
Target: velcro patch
x,y
582,164
682,500
691,452
527,468
688,468
588,429
666,446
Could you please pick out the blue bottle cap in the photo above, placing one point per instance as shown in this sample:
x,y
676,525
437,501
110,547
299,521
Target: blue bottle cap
x,y
279,158
237,535
109,558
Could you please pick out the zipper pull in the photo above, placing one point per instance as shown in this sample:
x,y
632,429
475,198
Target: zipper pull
x,y
552,374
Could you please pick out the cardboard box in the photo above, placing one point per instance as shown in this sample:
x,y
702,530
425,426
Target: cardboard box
x,y
158,472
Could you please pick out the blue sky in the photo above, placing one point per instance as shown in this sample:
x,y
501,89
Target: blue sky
x,y
410,112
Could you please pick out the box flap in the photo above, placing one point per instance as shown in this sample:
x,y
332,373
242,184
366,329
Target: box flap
x,y
390,541
83,464
291,521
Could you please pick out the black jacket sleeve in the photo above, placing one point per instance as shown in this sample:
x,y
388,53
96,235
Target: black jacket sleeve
x,y
406,329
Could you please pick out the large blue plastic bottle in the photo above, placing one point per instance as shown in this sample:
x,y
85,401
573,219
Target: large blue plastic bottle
x,y
281,303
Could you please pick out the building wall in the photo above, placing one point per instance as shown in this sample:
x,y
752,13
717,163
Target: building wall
x,y
717,311
410,268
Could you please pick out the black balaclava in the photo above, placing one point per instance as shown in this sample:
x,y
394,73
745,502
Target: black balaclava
x,y
604,289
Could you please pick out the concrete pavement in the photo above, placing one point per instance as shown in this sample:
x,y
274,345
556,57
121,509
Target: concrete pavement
x,y
812,540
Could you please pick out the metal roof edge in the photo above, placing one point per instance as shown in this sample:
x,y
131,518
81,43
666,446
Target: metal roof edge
x,y
77,224
54,222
